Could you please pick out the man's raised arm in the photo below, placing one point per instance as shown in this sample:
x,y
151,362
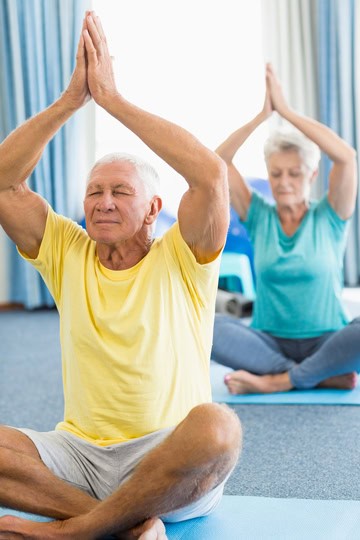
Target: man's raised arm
x,y
23,212
204,209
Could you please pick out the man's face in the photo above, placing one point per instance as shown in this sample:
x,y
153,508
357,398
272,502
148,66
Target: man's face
x,y
116,205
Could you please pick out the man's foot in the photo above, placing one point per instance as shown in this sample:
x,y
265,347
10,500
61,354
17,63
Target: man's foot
x,y
243,382
14,528
152,529
347,381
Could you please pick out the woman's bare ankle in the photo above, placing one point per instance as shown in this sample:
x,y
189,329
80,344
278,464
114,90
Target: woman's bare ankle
x,y
347,381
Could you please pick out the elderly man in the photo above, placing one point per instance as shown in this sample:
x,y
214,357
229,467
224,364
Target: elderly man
x,y
141,442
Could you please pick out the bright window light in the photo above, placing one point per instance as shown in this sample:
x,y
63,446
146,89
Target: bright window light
x,y
198,63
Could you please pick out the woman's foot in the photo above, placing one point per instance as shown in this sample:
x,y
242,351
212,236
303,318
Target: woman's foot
x,y
348,381
243,382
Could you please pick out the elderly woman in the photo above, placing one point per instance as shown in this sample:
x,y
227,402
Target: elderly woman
x,y
299,336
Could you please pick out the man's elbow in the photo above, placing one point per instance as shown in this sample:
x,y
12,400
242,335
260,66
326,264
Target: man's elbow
x,y
222,167
218,174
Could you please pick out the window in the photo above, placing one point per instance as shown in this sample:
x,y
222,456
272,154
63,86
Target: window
x,y
198,63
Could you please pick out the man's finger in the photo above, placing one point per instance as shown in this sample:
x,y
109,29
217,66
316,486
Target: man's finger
x,y
81,52
100,28
89,46
82,38
94,34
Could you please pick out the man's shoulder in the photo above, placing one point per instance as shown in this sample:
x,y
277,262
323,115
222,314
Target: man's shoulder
x,y
63,228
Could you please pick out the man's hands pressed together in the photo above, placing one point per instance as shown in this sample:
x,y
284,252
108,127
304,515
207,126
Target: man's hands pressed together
x,y
100,74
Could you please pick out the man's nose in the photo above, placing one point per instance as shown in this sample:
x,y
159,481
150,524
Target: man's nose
x,y
106,203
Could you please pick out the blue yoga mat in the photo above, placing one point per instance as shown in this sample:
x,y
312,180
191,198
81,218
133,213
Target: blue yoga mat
x,y
262,518
319,396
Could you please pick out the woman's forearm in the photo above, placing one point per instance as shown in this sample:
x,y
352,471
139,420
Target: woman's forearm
x,y
231,145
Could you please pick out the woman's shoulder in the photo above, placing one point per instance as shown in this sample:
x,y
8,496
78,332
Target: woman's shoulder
x,y
322,206
260,203
325,214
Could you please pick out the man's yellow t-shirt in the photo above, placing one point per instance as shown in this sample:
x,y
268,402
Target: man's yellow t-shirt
x,y
135,343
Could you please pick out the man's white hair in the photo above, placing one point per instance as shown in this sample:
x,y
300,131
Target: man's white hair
x,y
287,140
145,171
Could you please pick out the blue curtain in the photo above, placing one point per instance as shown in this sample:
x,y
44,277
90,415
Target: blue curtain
x,y
38,42
337,72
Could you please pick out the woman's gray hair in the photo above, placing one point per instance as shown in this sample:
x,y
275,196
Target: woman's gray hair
x,y
146,172
287,140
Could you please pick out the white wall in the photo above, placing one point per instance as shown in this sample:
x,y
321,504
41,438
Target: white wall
x,y
198,63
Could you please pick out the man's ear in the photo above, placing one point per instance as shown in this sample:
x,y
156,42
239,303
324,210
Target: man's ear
x,y
155,207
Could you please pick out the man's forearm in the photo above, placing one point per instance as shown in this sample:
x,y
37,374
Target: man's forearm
x,y
23,148
175,145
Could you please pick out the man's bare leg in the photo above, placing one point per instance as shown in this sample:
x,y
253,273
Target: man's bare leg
x,y
20,494
195,458
151,529
27,484
244,382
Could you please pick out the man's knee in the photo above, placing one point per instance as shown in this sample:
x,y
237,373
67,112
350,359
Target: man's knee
x,y
13,439
217,428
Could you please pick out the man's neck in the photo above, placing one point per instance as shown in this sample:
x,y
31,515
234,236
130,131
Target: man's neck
x,y
122,256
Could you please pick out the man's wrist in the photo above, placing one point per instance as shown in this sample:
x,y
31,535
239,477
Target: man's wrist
x,y
68,104
110,101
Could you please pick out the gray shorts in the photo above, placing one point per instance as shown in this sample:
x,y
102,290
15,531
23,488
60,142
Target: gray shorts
x,y
100,470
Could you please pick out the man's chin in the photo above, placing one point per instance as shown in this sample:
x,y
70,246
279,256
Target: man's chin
x,y
102,238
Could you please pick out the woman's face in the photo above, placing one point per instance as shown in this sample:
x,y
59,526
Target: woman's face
x,y
290,179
